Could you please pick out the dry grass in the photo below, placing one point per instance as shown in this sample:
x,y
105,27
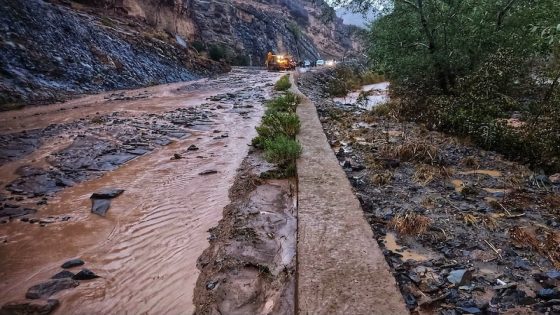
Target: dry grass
x,y
548,245
410,224
425,174
412,150
487,221
382,179
471,162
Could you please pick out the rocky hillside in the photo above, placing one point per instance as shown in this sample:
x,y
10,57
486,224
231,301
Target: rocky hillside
x,y
243,31
50,51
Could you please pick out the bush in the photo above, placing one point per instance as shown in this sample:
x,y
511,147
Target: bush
x,y
279,123
281,150
199,46
285,103
283,84
216,52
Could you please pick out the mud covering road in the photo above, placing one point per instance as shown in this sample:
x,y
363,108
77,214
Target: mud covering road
x,y
174,149
341,269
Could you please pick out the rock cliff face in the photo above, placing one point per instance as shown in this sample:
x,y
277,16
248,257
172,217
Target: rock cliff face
x,y
50,51
55,48
248,29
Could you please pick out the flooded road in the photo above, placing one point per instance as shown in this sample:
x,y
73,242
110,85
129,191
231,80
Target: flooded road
x,y
145,249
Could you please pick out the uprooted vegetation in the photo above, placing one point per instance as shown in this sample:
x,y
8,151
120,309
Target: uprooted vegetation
x,y
276,134
455,208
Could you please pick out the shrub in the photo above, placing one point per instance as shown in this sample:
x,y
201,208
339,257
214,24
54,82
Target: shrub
x,y
283,84
284,103
216,52
279,123
199,46
281,150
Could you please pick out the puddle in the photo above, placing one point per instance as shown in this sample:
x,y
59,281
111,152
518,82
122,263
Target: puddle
x,y
377,94
390,241
492,173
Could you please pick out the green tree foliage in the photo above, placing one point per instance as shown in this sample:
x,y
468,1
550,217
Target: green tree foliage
x,y
465,66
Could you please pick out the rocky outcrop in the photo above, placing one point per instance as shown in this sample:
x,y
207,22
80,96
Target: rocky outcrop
x,y
50,50
248,29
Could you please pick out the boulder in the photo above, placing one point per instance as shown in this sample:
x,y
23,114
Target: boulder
x,y
29,307
63,274
107,193
101,200
72,263
50,287
85,274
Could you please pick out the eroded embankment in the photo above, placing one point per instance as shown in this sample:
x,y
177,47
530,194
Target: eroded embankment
x,y
464,230
249,267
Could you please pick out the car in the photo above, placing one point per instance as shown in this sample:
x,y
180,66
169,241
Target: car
x,y
306,63
320,62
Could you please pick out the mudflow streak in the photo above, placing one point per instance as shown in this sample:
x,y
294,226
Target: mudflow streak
x,y
146,248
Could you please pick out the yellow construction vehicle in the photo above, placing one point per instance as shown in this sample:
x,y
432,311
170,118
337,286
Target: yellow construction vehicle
x,y
279,62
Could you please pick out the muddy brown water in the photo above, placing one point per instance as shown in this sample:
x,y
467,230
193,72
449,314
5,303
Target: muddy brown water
x,y
145,249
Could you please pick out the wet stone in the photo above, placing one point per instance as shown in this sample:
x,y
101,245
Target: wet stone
x,y
208,172
63,274
24,307
100,206
107,193
85,274
459,277
50,287
548,294
72,263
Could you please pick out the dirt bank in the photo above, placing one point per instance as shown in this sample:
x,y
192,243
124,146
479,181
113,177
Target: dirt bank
x,y
249,267
464,230
174,149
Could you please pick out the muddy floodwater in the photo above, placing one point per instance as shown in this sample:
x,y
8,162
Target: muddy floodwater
x,y
174,149
367,97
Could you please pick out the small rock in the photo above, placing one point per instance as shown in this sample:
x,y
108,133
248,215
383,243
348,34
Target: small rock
x,y
177,156
107,193
50,287
85,274
460,276
471,310
555,179
35,307
63,274
208,172
100,206
192,147
210,285
548,294
72,263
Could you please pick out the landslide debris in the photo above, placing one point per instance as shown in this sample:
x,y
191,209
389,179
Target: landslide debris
x,y
465,231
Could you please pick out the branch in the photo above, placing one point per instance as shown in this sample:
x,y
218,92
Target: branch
x,y
503,12
410,4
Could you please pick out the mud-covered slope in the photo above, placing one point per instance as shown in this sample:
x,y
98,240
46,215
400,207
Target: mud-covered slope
x,y
50,51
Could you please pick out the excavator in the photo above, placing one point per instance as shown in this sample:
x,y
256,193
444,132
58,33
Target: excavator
x,y
279,62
